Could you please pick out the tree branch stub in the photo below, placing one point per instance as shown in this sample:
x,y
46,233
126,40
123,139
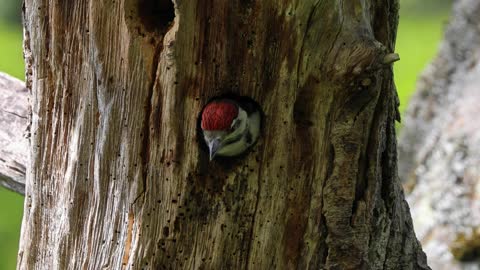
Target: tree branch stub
x,y
14,121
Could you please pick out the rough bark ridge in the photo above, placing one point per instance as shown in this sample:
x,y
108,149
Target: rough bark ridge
x,y
118,178
13,133
440,147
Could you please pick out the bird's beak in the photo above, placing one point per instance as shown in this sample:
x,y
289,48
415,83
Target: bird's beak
x,y
213,147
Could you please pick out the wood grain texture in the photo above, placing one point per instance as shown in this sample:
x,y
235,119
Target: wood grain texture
x,y
13,133
118,179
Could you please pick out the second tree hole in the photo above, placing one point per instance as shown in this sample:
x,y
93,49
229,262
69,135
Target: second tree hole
x,y
156,15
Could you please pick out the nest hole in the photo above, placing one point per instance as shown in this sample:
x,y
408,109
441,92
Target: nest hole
x,y
156,15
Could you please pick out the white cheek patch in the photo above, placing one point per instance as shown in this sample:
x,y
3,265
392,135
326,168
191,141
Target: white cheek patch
x,y
255,120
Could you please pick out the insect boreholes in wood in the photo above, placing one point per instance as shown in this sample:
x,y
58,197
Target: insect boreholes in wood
x,y
156,15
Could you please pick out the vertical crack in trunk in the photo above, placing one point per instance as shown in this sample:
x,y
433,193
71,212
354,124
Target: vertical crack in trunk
x,y
302,46
147,124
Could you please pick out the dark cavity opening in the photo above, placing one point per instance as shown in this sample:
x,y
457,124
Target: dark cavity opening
x,y
156,15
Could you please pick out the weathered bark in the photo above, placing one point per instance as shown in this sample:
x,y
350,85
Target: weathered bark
x,y
13,132
118,177
440,147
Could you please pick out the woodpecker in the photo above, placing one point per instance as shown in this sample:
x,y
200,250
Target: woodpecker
x,y
230,127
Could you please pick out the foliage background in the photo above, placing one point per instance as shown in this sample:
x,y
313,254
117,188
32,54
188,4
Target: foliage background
x,y
421,25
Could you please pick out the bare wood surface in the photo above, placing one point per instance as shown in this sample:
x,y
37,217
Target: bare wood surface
x,y
118,179
13,131
440,147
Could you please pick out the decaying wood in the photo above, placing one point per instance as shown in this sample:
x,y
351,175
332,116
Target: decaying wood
x,y
13,131
118,178
440,147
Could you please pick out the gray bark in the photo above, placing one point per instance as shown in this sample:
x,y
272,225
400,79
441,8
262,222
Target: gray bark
x,y
440,147
13,132
118,179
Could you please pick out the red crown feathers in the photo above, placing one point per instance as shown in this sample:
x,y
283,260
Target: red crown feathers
x,y
219,115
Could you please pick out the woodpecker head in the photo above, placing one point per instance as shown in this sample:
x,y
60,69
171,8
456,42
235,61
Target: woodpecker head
x,y
228,129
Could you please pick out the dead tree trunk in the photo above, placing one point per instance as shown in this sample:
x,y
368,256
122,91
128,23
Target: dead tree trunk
x,y
440,147
118,178
13,133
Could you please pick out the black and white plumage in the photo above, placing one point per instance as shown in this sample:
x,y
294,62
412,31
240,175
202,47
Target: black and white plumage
x,y
230,127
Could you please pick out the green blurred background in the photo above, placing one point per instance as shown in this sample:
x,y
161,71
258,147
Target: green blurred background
x,y
420,30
